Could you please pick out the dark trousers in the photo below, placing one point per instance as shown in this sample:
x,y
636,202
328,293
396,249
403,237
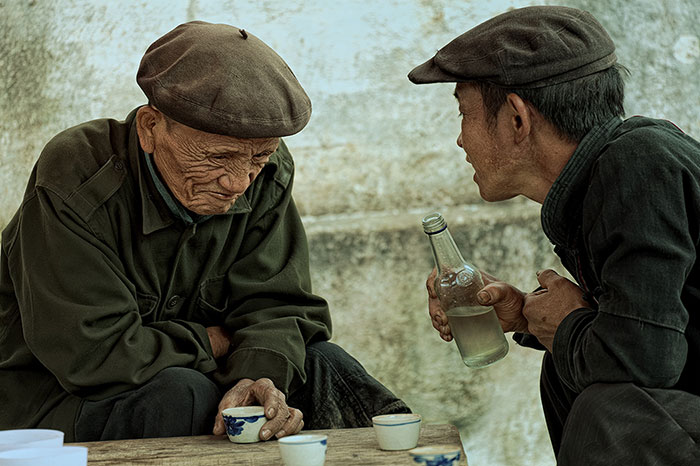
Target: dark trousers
x,y
620,423
338,393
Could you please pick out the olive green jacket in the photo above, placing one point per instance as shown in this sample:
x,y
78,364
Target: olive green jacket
x,y
101,287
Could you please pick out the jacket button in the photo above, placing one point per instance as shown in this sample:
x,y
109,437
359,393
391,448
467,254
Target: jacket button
x,y
172,302
118,165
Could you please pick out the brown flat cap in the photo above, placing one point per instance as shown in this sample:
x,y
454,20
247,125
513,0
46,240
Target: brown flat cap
x,y
223,80
523,48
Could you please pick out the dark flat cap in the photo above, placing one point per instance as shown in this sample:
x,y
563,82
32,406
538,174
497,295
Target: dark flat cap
x,y
523,48
224,80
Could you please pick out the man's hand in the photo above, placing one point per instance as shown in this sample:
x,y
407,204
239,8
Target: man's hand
x,y
506,300
220,341
547,307
437,315
282,420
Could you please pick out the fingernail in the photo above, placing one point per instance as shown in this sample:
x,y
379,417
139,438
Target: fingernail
x,y
280,434
270,413
266,434
483,297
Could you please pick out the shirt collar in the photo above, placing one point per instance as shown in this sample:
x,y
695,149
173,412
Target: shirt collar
x,y
176,208
562,207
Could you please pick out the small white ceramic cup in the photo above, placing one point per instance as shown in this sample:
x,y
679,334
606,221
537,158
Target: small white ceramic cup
x,y
243,423
303,449
30,438
444,455
397,431
45,456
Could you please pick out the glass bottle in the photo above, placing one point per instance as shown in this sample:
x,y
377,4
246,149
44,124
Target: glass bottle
x,y
475,328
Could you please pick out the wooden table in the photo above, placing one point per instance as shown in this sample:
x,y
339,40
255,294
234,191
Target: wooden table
x,y
345,447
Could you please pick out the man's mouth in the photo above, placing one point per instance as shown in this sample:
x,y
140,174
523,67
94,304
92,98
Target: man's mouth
x,y
225,196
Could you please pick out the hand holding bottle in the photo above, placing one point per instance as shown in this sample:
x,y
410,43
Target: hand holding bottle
x,y
506,300
453,299
437,315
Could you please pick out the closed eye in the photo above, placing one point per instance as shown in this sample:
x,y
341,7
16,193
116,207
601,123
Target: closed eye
x,y
262,155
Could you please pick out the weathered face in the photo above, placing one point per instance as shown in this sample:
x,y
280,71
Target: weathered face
x,y
207,172
488,147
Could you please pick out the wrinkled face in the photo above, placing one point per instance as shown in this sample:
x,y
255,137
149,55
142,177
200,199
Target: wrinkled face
x,y
207,172
487,146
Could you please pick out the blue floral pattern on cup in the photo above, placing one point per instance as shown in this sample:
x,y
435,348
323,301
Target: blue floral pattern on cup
x,y
437,460
234,425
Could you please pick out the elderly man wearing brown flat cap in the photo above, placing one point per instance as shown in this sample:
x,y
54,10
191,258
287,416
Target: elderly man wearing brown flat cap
x,y
157,270
541,102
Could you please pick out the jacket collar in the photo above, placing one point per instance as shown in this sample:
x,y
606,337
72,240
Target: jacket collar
x,y
562,208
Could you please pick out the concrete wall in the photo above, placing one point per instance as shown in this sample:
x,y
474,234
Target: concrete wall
x,y
378,154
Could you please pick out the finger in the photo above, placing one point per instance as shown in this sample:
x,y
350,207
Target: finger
x,y
293,424
430,283
444,330
436,313
493,293
440,322
547,277
271,398
273,401
436,323
274,425
219,427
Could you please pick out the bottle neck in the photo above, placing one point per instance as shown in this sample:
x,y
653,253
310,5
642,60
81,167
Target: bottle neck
x,y
445,251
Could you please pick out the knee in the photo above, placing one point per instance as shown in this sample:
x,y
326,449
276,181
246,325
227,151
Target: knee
x,y
182,388
324,354
599,417
596,401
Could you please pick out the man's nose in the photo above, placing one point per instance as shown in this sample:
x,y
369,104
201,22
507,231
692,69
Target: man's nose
x,y
459,140
236,183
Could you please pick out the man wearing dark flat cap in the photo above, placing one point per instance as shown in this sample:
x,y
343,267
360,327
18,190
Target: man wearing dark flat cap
x,y
157,270
541,99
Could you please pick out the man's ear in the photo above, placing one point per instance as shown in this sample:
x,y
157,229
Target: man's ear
x,y
520,117
146,119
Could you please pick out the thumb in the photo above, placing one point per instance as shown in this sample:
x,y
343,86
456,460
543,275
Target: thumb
x,y
492,293
219,428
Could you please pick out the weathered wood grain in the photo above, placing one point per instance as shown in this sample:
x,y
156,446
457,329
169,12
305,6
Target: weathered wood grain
x,y
345,447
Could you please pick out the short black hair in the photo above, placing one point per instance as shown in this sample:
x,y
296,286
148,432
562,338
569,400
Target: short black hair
x,y
573,107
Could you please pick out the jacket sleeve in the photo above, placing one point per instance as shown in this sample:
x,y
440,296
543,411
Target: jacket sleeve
x,y
80,313
273,314
641,245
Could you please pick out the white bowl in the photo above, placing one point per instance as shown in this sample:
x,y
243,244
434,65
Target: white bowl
x,y
45,456
397,431
303,449
444,455
243,423
30,438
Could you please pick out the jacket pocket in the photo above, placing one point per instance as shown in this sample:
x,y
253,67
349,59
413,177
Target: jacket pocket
x,y
213,300
147,306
